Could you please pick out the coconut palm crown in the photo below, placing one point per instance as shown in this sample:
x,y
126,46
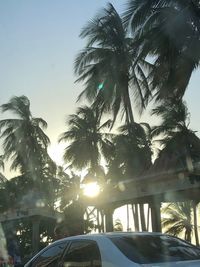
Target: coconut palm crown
x,y
169,32
87,139
24,142
107,66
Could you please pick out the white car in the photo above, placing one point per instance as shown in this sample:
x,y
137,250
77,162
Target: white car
x,y
118,250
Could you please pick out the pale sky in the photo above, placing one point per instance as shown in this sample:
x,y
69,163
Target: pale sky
x,y
39,42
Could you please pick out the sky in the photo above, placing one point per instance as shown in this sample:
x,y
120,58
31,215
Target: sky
x,y
39,42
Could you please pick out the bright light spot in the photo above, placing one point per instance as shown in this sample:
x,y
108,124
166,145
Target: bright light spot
x,y
121,186
91,190
56,152
40,203
100,86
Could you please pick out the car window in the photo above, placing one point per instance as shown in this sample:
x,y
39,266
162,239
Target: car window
x,y
83,253
50,257
154,249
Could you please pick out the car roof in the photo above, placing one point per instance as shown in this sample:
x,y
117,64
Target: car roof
x,y
95,236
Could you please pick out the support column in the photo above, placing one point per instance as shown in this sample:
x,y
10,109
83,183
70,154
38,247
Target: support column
x,y
35,234
109,219
156,216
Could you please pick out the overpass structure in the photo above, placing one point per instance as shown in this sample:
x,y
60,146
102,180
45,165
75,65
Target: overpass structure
x,y
151,189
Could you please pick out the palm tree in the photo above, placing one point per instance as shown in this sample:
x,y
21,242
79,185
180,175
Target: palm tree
x,y
24,142
156,25
180,146
107,66
87,140
178,219
130,157
118,227
131,153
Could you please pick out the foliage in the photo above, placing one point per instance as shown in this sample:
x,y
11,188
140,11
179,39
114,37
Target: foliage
x,y
23,231
118,225
178,219
73,222
107,66
87,139
174,117
156,25
131,152
181,147
24,141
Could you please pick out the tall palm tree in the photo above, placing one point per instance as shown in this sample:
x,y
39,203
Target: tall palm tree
x,y
178,219
86,138
180,146
24,142
107,66
156,25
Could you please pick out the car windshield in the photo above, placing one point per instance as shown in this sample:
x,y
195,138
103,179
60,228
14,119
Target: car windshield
x,y
155,249
99,123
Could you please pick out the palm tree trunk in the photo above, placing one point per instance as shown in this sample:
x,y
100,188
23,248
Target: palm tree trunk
x,y
142,217
188,235
195,223
135,216
128,226
148,217
98,222
102,221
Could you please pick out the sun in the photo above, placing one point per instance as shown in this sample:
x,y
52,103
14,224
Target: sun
x,y
91,189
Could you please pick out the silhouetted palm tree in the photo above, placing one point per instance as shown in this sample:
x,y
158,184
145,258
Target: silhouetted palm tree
x,y
130,157
131,152
180,146
86,138
24,142
178,219
156,26
107,66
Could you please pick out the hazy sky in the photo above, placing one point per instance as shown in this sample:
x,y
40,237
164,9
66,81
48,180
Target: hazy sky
x,y
39,41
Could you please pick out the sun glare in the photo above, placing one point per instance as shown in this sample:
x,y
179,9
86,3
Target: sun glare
x,y
56,153
91,190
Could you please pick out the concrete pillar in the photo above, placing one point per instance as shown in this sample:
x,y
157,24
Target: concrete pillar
x,y
156,216
35,234
109,219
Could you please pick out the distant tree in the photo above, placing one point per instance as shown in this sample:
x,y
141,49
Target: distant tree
x,y
73,222
130,154
25,145
178,219
24,141
70,190
118,225
180,147
87,140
